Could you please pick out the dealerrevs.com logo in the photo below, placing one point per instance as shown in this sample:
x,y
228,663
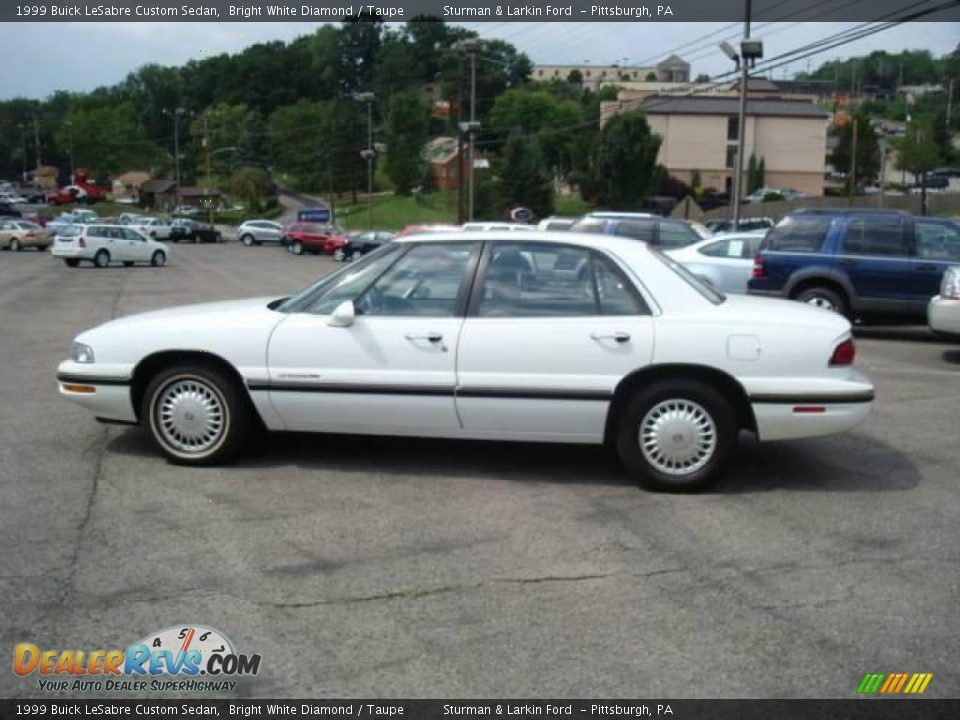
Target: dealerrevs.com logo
x,y
179,658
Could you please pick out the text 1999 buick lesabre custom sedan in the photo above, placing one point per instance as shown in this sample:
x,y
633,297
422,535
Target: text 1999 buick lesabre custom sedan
x,y
553,337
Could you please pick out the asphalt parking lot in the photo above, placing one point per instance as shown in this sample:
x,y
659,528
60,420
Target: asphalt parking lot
x,y
368,567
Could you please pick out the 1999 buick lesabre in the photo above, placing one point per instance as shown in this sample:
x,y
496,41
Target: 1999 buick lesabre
x,y
554,337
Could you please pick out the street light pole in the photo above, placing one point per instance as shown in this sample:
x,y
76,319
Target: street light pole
x,y
741,124
369,153
73,170
473,119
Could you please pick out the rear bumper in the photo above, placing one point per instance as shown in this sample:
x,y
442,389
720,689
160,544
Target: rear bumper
x,y
797,416
68,251
943,315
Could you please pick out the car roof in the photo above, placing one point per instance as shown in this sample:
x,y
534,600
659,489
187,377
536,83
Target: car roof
x,y
849,211
615,215
586,240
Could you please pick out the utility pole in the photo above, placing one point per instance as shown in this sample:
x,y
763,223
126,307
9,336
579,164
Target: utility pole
x,y
73,169
206,154
883,172
36,138
175,114
369,153
460,185
852,180
23,136
742,123
949,103
471,46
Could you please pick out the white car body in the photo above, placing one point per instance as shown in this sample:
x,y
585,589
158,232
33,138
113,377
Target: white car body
x,y
121,243
943,311
464,375
497,227
724,261
12,198
153,227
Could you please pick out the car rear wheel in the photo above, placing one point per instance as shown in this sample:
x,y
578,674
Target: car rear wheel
x,y
196,415
101,259
339,254
71,262
158,259
823,297
247,240
675,435
296,247
15,245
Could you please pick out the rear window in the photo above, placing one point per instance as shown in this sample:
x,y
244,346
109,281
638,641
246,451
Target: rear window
x,y
798,234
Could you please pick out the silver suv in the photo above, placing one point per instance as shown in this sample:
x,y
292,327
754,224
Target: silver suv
x,y
256,232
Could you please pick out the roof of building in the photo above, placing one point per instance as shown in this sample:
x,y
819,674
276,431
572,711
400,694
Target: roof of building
x,y
188,191
159,185
673,61
757,84
702,105
133,177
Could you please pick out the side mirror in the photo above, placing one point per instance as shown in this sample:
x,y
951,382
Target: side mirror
x,y
343,315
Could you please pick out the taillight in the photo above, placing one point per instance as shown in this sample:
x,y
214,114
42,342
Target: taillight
x,y
759,269
843,354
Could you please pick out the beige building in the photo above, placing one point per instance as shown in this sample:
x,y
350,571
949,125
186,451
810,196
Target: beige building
x,y
700,133
672,70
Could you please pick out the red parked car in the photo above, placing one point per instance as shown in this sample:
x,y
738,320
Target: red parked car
x,y
301,237
76,194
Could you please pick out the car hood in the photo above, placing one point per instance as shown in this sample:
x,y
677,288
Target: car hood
x,y
774,311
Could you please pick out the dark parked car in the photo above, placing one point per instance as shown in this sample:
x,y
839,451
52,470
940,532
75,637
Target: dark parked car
x,y
651,229
361,242
186,230
8,210
860,263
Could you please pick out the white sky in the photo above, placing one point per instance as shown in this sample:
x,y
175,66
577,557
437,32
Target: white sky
x,y
39,58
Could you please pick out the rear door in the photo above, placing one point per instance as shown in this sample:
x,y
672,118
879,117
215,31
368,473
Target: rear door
x,y
936,246
550,331
874,255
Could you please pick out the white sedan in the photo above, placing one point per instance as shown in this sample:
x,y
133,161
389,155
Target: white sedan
x,y
943,312
724,261
549,337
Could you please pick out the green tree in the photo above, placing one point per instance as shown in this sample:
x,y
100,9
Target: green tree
x,y
917,150
575,77
408,120
107,141
622,172
536,111
253,186
525,180
868,150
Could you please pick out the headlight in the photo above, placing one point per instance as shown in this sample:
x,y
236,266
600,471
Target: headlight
x,y
950,287
81,353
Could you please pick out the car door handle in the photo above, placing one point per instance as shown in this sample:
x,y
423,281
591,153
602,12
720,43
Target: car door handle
x,y
433,337
619,336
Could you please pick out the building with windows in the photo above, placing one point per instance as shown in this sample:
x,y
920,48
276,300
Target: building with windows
x,y
700,134
672,70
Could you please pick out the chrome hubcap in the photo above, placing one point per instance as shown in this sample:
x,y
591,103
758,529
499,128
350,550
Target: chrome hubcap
x,y
821,302
678,437
190,416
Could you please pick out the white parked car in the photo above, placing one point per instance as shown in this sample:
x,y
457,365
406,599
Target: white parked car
x,y
105,244
943,312
549,337
12,198
153,227
725,261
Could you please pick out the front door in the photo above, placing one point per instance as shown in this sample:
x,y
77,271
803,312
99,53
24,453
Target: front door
x,y
874,256
392,370
136,245
550,331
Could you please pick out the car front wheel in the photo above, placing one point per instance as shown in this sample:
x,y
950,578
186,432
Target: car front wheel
x,y
247,240
675,435
196,415
158,259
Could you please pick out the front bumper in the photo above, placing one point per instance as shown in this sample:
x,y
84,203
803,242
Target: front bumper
x,y
107,396
943,315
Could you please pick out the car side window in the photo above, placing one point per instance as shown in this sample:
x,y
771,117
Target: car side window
x,y
875,236
425,282
798,234
637,229
617,295
676,236
937,241
131,234
720,248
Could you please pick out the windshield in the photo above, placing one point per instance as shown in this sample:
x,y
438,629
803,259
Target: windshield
x,y
709,292
309,295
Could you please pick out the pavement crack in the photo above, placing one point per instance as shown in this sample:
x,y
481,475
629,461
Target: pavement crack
x,y
100,448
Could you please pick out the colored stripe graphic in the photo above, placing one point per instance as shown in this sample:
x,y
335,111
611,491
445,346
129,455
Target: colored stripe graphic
x,y
894,683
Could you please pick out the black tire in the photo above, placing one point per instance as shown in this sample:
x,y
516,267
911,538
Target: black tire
x,y
339,254
824,297
101,259
71,262
15,245
705,406
248,240
128,263
355,255
158,259
296,247
236,417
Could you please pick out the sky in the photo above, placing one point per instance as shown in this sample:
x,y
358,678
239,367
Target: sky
x,y
40,58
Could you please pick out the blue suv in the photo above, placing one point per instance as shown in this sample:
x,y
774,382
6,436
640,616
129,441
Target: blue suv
x,y
860,263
